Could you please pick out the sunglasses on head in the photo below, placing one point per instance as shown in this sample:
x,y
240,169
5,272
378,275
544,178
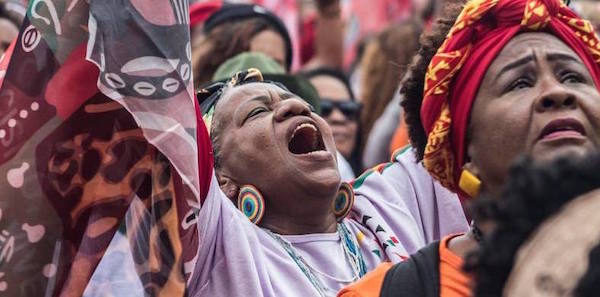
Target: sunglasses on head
x,y
350,109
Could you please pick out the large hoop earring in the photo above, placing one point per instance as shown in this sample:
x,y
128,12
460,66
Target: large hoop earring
x,y
469,183
343,201
251,203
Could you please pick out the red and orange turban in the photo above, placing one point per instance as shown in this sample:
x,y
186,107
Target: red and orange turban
x,y
452,81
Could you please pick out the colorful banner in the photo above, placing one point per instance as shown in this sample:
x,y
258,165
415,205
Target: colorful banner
x,y
98,154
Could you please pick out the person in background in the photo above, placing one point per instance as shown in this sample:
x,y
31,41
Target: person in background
x,y
237,28
492,82
552,251
271,71
354,70
322,36
589,9
383,64
10,20
427,10
341,110
379,147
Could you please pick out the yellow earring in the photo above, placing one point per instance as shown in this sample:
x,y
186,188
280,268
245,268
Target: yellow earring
x,y
469,183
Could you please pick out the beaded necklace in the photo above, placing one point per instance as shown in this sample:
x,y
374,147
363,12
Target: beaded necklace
x,y
351,251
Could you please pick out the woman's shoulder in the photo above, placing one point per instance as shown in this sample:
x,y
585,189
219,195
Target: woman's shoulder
x,y
415,207
381,207
402,175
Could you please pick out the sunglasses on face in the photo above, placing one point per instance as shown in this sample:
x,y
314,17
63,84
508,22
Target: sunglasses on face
x,y
350,109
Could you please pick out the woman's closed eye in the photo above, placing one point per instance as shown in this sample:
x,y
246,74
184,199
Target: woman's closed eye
x,y
254,112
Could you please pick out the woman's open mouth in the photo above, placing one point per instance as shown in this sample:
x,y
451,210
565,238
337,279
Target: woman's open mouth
x,y
306,139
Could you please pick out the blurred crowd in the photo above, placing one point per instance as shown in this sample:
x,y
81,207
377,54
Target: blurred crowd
x,y
348,56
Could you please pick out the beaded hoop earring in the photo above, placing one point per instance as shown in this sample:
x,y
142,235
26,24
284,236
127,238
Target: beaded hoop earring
x,y
251,203
343,201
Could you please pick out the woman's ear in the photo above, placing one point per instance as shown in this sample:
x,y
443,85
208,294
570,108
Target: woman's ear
x,y
228,186
469,181
472,168
469,165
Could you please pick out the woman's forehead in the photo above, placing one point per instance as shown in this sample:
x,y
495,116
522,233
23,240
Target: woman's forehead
x,y
530,42
237,95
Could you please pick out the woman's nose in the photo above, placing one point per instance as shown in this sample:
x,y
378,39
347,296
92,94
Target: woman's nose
x,y
556,96
290,108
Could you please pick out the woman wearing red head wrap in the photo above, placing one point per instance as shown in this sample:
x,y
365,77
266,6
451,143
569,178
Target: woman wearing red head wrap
x,y
511,77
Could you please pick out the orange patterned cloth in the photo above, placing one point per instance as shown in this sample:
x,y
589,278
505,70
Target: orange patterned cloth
x,y
369,285
454,282
481,31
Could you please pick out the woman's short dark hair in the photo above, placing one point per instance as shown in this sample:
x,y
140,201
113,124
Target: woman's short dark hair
x,y
413,82
532,194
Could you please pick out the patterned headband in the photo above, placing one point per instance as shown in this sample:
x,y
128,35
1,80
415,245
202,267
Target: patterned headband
x,y
210,95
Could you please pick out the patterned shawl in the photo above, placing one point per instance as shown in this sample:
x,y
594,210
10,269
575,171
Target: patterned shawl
x,y
98,150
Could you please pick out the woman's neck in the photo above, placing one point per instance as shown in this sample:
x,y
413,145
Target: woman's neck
x,y
286,225
306,211
305,214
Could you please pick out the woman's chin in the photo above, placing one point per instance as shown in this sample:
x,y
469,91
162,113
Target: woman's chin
x,y
314,171
546,154
322,180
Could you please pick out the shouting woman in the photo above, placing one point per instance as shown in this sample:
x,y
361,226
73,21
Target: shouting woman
x,y
293,229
